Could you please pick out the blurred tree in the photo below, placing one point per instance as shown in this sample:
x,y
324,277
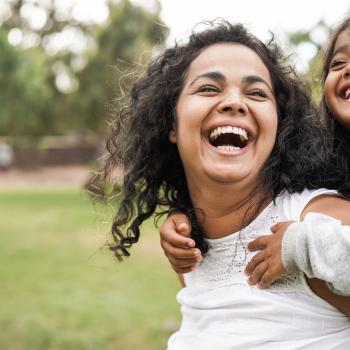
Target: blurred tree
x,y
312,42
24,94
123,47
65,88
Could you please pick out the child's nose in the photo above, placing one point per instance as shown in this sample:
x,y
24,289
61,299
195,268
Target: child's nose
x,y
346,71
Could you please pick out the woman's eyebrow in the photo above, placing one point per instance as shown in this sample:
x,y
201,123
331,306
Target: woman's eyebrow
x,y
251,79
217,76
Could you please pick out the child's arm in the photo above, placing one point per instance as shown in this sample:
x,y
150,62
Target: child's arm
x,y
181,279
266,266
320,247
178,247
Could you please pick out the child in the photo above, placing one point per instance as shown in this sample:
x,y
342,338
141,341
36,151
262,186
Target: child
x,y
219,128
319,245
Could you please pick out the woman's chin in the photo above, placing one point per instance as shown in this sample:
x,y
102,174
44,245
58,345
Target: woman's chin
x,y
228,175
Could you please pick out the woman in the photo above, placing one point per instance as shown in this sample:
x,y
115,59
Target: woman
x,y
218,128
319,246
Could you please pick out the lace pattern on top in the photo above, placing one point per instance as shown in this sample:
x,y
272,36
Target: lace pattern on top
x,y
228,256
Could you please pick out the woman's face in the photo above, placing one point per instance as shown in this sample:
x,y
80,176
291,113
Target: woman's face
x,y
226,116
337,84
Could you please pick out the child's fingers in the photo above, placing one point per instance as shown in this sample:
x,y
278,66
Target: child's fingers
x,y
258,272
258,244
183,270
181,253
182,223
280,225
169,234
266,279
256,260
183,229
276,227
181,263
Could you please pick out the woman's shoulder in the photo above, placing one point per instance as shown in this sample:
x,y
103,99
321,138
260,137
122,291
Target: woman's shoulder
x,y
294,204
334,205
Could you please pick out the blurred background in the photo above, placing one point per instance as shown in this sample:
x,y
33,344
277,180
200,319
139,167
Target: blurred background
x,y
65,69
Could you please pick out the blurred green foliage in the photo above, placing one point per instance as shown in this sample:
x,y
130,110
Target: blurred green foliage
x,y
124,47
31,102
317,37
25,90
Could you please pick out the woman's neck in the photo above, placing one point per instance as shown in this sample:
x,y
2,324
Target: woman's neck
x,y
227,208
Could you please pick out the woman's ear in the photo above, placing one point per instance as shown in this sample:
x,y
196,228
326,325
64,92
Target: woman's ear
x,y
172,135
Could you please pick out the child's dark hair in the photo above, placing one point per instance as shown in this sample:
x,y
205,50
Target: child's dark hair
x,y
341,135
153,175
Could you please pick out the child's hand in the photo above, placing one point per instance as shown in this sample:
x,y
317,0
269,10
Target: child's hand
x,y
178,247
266,266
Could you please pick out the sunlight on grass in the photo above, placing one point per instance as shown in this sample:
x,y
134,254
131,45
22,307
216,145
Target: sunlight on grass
x,y
60,290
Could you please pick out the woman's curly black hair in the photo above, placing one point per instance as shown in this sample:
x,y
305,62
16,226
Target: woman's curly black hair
x,y
153,177
341,134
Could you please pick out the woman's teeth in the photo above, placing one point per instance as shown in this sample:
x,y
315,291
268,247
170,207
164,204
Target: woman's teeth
x,y
230,130
229,148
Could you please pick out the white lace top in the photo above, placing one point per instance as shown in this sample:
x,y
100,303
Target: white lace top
x,y
221,311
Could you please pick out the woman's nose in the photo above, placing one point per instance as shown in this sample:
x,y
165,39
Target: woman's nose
x,y
233,104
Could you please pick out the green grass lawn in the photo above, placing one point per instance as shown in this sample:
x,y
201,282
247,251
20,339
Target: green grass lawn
x,y
60,290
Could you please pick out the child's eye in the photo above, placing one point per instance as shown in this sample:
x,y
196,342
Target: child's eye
x,y
337,64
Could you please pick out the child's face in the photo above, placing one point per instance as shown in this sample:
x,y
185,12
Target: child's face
x,y
337,84
226,116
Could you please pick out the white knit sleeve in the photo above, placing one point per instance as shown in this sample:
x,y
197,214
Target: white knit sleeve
x,y
319,246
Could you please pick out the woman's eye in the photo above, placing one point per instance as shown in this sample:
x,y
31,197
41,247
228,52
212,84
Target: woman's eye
x,y
208,88
258,93
337,64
